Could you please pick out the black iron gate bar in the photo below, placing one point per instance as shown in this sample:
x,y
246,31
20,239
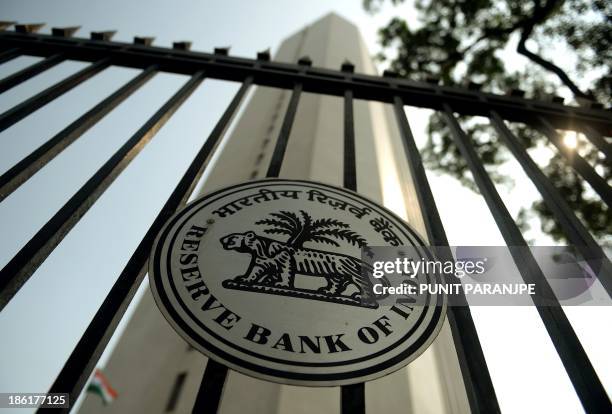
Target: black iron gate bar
x,y
598,140
577,162
478,384
32,70
82,361
548,116
17,113
352,397
591,392
36,160
575,231
19,269
8,55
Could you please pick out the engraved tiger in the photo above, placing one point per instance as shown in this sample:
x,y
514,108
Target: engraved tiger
x,y
276,263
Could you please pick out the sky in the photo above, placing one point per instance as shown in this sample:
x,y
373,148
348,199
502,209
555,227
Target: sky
x,y
41,325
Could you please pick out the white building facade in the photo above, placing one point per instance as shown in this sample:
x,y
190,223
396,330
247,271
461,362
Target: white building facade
x,y
155,371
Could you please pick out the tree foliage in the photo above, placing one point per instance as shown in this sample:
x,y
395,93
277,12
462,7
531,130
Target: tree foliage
x,y
302,229
566,46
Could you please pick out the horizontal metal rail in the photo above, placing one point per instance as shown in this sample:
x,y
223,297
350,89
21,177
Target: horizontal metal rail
x,y
316,80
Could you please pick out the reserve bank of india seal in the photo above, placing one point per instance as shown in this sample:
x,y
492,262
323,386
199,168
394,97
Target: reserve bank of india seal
x,y
266,278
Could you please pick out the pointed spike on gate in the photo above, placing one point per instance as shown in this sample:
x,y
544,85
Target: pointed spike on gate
x,y
596,105
305,61
28,27
264,55
64,31
143,40
390,74
104,35
519,93
557,99
222,51
182,45
347,66
6,24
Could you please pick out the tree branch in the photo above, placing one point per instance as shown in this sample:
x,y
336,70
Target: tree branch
x,y
488,33
541,13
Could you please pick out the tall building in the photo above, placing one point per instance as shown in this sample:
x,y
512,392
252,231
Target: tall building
x,y
155,371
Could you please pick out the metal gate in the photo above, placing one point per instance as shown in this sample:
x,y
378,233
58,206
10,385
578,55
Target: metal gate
x,y
101,53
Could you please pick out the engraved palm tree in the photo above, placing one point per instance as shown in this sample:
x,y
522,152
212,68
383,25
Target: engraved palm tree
x,y
303,228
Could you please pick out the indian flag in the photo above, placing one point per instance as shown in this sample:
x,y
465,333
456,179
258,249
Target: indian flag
x,y
100,385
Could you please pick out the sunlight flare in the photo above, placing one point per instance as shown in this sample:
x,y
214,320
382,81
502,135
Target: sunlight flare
x,y
570,139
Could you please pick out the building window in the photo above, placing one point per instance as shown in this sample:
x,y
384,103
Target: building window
x,y
176,391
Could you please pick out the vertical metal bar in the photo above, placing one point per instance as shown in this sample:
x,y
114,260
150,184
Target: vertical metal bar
x,y
285,131
85,355
27,167
32,70
28,106
589,389
576,233
27,260
433,224
474,370
211,388
577,162
8,55
350,169
598,140
352,397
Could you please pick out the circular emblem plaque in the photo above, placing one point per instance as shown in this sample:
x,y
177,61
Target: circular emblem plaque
x,y
266,278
